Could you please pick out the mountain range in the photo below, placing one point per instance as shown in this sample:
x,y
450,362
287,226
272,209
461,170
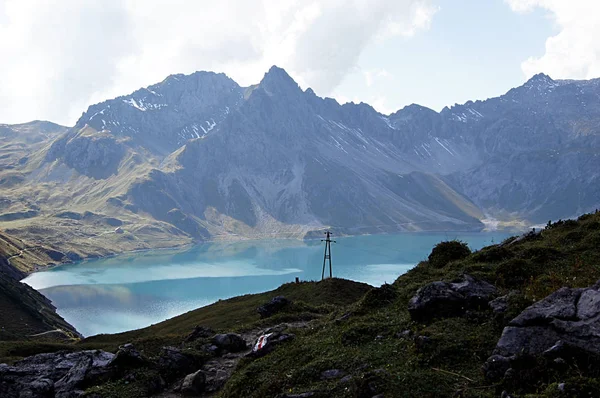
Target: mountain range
x,y
198,157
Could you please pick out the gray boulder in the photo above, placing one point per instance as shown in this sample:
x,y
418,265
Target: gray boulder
x,y
74,379
443,299
194,383
60,374
275,305
128,357
229,342
175,363
332,374
568,320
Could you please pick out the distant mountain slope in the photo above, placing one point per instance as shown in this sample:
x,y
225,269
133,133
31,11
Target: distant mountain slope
x,y
199,157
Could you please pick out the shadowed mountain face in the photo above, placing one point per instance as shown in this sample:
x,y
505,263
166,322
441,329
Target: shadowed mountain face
x,y
198,156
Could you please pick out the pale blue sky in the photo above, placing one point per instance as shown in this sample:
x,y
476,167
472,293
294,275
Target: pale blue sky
x,y
60,57
473,50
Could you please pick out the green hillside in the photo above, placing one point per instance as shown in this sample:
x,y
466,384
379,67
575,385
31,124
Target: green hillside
x,y
368,336
24,311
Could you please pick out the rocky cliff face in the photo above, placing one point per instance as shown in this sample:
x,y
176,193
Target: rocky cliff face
x,y
166,115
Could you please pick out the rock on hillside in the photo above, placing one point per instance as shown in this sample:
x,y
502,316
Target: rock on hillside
x,y
567,322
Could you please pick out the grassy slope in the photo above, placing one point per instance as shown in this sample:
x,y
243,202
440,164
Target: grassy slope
x,y
449,363
239,313
366,344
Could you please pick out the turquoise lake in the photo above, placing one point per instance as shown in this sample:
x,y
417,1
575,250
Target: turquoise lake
x,y
131,291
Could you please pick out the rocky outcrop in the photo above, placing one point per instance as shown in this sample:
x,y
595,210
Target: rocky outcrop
x,y
272,307
59,374
128,357
92,153
165,115
443,299
193,384
566,320
175,363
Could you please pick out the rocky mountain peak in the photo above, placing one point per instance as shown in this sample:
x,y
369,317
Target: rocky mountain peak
x,y
164,116
539,79
277,80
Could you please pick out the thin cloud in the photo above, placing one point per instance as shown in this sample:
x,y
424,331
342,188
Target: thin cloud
x,y
574,52
61,56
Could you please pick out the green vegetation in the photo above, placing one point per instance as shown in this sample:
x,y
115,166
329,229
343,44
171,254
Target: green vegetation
x,y
24,311
368,334
384,351
311,300
445,252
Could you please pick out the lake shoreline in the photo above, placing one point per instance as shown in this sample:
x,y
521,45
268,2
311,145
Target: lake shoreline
x,y
236,239
119,293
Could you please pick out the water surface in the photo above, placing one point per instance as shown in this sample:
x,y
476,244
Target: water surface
x,y
136,290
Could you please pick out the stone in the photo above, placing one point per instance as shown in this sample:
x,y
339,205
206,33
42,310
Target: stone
x,y
175,363
499,305
343,317
422,342
194,383
128,357
272,307
300,395
476,291
74,377
211,348
565,324
495,367
332,374
63,374
216,381
404,334
556,350
588,305
558,305
199,332
435,299
38,388
443,299
346,379
229,342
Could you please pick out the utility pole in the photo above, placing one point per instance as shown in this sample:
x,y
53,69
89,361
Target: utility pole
x,y
327,254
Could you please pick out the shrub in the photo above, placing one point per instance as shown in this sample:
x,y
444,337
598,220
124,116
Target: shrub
x,y
445,252
514,273
378,297
492,254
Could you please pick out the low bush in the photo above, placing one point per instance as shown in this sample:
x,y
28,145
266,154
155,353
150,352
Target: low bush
x,y
445,252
